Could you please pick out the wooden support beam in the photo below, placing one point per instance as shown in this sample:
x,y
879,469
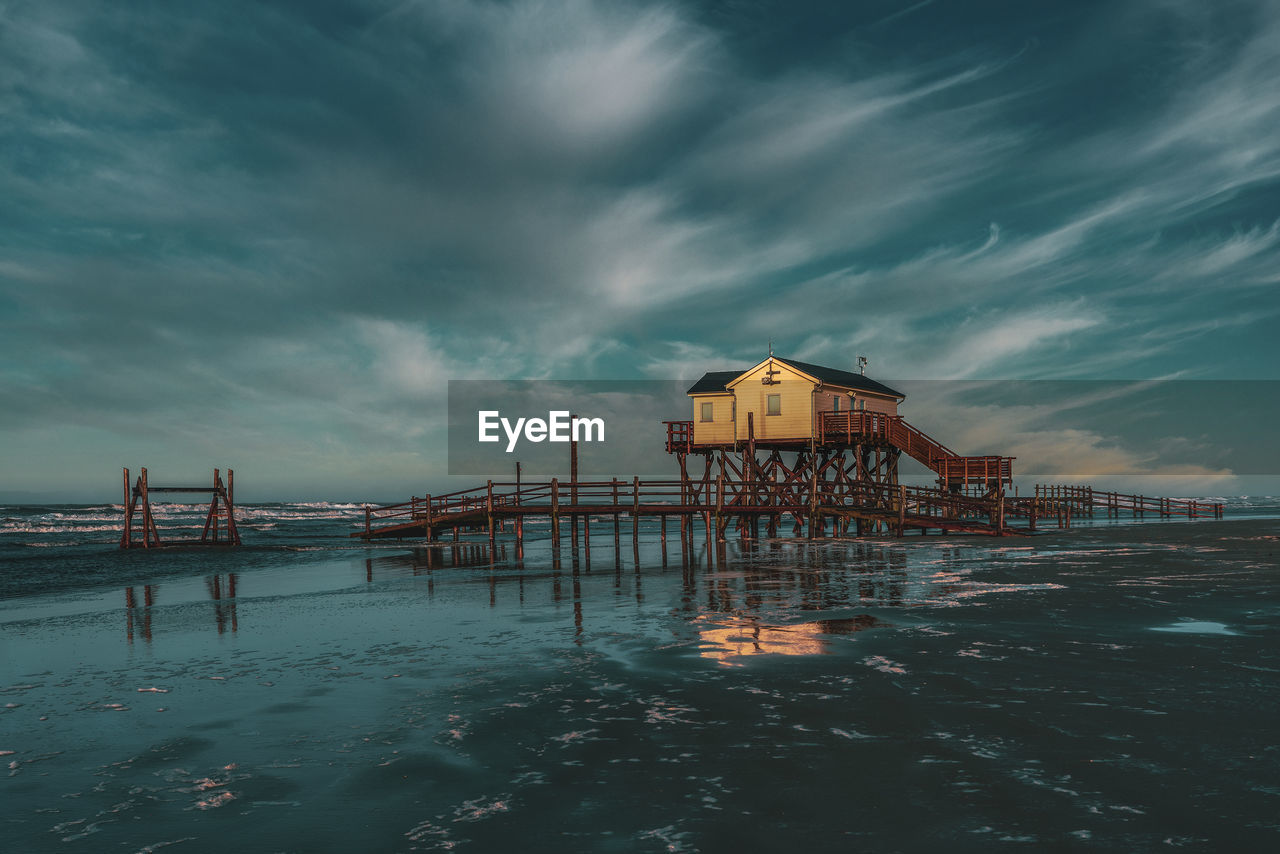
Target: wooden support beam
x,y
127,539
719,505
148,523
902,510
617,539
635,512
555,513
489,513
210,519
233,532
813,490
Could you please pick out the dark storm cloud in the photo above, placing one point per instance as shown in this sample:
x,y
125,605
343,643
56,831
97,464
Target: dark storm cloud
x,y
311,215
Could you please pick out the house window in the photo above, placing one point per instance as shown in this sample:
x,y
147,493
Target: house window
x,y
706,411
775,405
835,403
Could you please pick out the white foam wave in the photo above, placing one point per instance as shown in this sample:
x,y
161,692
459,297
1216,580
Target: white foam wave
x,y
56,529
295,515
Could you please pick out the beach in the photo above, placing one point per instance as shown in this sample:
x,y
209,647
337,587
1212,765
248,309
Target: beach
x,y
1108,687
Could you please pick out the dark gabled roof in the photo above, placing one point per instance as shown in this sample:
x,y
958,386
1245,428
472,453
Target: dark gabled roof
x,y
714,381
834,376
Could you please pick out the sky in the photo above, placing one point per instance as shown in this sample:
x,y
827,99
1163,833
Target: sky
x,y
266,235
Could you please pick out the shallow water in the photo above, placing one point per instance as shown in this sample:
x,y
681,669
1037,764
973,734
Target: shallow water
x,y
1110,688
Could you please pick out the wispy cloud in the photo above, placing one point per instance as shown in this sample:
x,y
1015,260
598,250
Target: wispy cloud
x,y
314,216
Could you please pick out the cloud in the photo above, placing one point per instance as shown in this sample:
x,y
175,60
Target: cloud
x,y
982,345
311,216
1080,430
1231,254
686,360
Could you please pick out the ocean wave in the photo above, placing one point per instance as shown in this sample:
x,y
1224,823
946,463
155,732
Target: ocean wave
x,y
260,513
89,529
56,529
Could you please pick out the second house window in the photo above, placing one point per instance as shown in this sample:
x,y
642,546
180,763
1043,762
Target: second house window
x,y
775,405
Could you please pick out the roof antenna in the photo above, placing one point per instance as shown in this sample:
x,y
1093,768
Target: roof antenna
x,y
862,365
770,348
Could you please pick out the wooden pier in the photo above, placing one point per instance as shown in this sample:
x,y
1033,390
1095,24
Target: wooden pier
x,y
783,448
813,509
1087,502
718,508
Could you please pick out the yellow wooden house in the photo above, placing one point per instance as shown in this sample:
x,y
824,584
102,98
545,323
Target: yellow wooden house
x,y
784,399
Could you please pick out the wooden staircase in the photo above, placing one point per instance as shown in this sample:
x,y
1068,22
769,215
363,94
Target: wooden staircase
x,y
853,428
953,469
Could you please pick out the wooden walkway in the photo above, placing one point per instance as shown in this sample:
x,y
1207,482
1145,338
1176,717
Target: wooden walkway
x,y
1087,502
824,508
814,509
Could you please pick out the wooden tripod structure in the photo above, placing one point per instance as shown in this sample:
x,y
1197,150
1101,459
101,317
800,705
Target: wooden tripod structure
x,y
219,523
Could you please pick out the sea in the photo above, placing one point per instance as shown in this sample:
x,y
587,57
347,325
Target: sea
x,y
1111,687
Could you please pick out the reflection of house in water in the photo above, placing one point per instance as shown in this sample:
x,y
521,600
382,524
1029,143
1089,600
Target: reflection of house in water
x,y
830,576
724,606
725,643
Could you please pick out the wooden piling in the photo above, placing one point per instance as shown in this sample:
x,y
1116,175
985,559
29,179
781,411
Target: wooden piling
x,y
128,513
635,511
488,504
617,521
555,513
813,489
719,506
902,510
147,522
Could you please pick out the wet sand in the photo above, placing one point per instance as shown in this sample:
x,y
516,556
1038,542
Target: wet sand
x,y
1103,689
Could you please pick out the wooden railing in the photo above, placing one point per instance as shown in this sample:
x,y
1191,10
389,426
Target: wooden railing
x,y
1085,500
679,436
852,425
720,495
500,496
953,468
983,470
808,499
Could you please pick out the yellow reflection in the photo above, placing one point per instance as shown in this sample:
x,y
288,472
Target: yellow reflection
x,y
727,643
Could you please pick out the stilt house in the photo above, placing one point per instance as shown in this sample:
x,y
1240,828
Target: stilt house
x,y
783,399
